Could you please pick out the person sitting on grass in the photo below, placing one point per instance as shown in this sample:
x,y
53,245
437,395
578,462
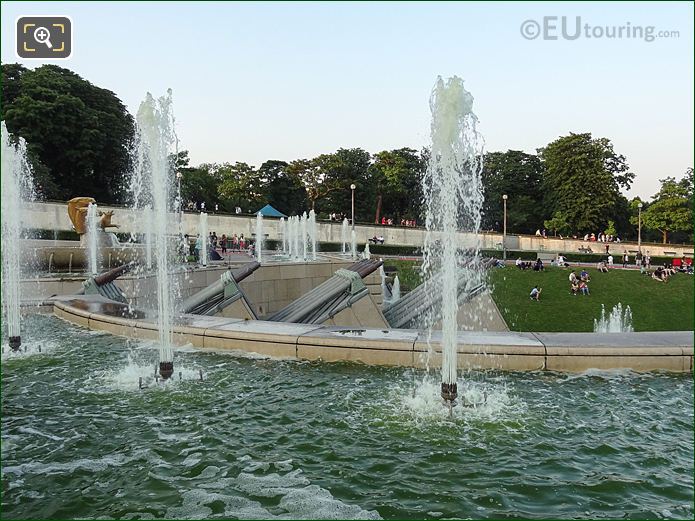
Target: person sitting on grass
x,y
573,277
584,287
602,268
659,274
536,293
574,287
519,263
669,270
584,275
538,266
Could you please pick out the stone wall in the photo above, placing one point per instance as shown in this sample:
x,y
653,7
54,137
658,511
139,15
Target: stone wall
x,y
54,216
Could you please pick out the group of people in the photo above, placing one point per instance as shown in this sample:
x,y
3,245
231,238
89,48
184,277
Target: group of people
x,y
601,237
579,284
526,265
404,222
662,274
223,243
192,206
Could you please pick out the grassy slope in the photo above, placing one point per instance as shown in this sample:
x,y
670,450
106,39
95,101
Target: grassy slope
x,y
655,306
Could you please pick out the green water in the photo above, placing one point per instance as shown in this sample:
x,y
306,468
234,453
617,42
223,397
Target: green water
x,y
265,438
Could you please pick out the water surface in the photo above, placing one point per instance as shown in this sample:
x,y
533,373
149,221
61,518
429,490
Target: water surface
x,y
261,438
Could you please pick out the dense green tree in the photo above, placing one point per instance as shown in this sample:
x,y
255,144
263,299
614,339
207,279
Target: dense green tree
x,y
394,179
78,135
199,186
341,169
557,224
315,181
582,178
327,179
519,176
671,209
240,185
283,189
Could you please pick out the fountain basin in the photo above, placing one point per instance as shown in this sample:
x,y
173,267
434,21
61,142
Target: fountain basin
x,y
510,351
263,438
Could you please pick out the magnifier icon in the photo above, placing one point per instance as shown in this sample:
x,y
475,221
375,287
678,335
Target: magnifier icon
x,y
42,35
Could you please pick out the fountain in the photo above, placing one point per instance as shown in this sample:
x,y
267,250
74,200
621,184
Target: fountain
x,y
203,234
92,244
259,237
385,297
453,200
396,290
344,230
17,186
618,321
295,237
283,233
155,146
303,221
148,236
313,233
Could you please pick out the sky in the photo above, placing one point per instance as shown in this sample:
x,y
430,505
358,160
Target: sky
x,y
258,81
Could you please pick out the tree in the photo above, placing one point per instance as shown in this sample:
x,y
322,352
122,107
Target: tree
x,y
558,223
344,167
610,229
327,179
519,176
582,178
78,135
395,180
198,185
283,189
671,210
313,178
240,185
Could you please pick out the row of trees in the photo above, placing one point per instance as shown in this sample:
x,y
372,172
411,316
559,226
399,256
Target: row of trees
x,y
79,140
387,183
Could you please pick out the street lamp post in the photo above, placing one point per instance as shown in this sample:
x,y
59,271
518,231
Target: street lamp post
x,y
352,187
639,228
504,231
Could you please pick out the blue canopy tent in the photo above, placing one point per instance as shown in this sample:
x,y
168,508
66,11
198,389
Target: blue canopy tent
x,y
269,211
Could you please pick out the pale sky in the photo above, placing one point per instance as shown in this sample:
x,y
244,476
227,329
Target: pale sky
x,y
257,81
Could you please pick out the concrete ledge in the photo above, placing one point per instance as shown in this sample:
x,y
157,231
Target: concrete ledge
x,y
654,351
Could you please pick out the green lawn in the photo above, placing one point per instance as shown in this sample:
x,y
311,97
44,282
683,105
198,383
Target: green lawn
x,y
655,306
408,272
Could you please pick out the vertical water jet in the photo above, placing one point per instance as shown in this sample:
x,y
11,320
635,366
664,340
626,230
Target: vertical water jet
x,y
203,233
155,122
92,249
453,201
17,187
344,229
260,237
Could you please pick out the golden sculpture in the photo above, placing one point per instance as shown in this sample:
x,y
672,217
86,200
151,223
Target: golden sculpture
x,y
105,221
77,211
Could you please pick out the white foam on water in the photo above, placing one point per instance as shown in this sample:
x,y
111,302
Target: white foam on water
x,y
85,464
30,430
127,377
293,496
606,374
480,401
28,348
